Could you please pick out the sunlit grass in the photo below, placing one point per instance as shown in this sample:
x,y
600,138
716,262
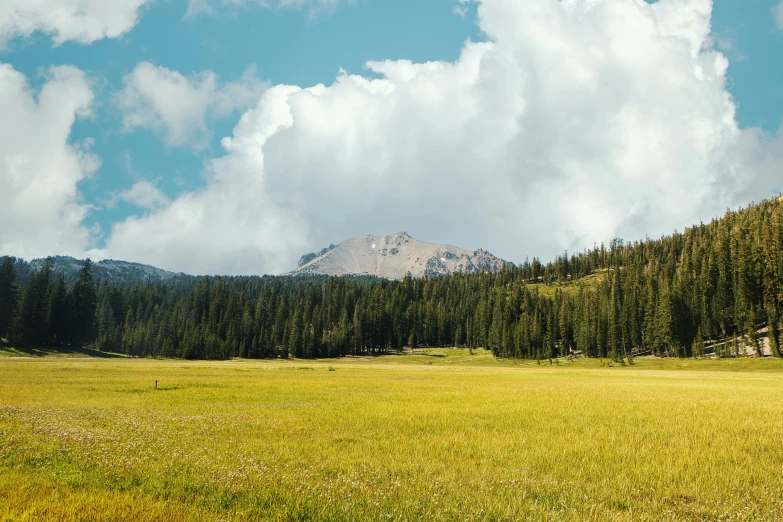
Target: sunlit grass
x,y
440,435
569,287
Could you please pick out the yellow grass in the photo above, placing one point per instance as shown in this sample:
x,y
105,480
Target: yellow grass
x,y
569,287
441,435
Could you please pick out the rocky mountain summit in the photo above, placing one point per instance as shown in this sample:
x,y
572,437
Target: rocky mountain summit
x,y
393,256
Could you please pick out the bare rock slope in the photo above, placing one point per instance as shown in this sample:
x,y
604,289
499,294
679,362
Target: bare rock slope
x,y
392,256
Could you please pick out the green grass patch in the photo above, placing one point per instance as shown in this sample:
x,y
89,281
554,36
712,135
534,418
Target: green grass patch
x,y
550,289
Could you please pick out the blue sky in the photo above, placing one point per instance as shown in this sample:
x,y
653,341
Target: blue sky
x,y
753,46
303,46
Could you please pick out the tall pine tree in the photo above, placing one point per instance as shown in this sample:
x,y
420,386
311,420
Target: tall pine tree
x,y
9,296
84,303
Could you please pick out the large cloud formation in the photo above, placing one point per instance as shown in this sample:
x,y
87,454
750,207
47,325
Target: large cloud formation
x,y
576,121
40,209
83,21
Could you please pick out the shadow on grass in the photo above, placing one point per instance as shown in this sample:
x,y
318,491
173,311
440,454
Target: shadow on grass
x,y
59,351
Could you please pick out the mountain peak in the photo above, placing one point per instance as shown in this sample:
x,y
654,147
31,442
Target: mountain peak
x,y
393,256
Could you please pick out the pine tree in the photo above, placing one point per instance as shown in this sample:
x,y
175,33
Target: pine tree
x,y
614,330
59,314
664,322
106,326
496,328
9,296
774,331
33,328
751,330
697,348
84,302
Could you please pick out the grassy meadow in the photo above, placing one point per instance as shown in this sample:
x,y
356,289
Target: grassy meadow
x,y
442,435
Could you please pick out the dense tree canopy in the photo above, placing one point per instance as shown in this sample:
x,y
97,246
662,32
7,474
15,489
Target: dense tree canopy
x,y
666,296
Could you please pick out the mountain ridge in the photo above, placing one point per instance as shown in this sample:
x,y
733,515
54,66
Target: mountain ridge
x,y
111,270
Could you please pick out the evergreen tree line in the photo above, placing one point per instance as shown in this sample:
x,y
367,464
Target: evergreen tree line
x,y
672,296
46,312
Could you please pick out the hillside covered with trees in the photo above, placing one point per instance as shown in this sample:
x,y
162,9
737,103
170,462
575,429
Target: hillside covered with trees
x,y
665,296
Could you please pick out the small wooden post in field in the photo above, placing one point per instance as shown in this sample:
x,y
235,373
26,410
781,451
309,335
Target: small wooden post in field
x,y
156,385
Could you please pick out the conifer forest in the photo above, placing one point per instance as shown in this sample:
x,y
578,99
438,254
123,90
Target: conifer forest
x,y
675,296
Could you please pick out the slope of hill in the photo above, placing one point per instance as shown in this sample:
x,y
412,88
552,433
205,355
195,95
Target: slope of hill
x,y
393,256
107,270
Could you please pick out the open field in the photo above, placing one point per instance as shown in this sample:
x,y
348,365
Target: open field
x,y
442,435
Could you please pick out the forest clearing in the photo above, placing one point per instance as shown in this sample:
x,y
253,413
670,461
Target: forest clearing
x,y
440,435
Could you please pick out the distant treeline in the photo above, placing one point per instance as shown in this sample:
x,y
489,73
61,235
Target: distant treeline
x,y
665,296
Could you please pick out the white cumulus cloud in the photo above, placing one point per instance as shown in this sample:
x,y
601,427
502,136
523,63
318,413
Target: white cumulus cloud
x,y
777,12
143,194
82,21
179,106
41,212
461,9
576,121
